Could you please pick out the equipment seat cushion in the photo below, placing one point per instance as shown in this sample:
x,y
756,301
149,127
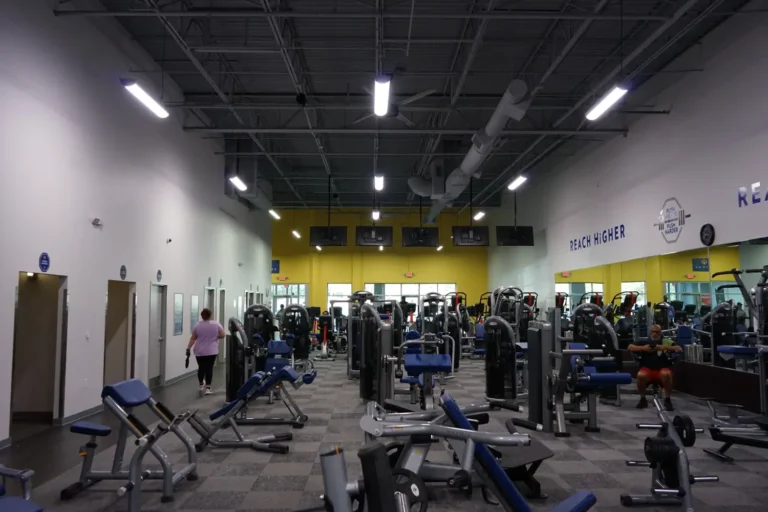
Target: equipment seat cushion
x,y
409,379
278,348
737,350
416,364
308,378
279,363
89,428
17,504
128,393
594,379
579,502
286,373
479,332
250,384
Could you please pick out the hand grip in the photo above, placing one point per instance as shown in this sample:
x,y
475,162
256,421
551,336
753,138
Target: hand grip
x,y
503,404
530,425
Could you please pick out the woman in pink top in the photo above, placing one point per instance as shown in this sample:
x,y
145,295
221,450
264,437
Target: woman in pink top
x,y
205,338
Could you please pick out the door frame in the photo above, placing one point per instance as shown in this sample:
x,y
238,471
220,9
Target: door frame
x,y
163,332
60,380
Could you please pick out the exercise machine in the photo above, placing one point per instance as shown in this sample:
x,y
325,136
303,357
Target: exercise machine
x,y
477,465
671,478
120,399
21,503
735,429
354,330
325,326
376,359
421,358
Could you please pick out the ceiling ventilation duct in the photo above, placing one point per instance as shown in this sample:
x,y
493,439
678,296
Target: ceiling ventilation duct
x,y
432,186
513,105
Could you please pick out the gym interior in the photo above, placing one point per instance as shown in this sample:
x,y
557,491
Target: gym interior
x,y
450,255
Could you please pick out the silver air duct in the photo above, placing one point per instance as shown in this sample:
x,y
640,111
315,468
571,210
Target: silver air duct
x,y
514,105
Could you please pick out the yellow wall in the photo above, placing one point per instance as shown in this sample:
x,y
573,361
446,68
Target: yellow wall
x,y
300,263
656,270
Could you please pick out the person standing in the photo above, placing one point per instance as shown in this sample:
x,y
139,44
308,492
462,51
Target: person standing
x,y
205,338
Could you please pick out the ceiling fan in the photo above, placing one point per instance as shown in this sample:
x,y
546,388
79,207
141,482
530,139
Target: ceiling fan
x,y
394,110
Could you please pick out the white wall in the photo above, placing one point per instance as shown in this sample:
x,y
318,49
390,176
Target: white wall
x,y
74,146
714,141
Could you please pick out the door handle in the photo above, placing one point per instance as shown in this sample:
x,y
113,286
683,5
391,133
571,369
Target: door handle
x,y
161,340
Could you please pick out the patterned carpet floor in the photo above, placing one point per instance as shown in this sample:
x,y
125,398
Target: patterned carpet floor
x,y
244,480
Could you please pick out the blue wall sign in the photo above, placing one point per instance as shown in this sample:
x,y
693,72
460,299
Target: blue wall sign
x,y
44,262
159,275
275,266
605,236
752,195
701,264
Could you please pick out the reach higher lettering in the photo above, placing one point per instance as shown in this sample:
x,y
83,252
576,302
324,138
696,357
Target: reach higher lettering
x,y
598,238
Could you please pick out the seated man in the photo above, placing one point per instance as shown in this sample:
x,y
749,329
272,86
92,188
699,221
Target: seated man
x,y
655,366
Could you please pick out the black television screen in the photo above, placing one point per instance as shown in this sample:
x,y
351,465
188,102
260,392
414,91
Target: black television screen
x,y
421,237
471,236
374,235
514,236
328,236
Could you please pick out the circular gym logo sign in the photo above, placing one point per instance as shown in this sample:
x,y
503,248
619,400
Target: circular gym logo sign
x,y
671,220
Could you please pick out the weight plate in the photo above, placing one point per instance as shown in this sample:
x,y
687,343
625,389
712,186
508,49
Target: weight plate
x,y
660,450
685,429
413,487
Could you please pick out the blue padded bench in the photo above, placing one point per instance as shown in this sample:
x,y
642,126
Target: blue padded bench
x,y
479,332
595,379
16,504
242,394
737,350
581,501
89,428
129,393
278,348
416,364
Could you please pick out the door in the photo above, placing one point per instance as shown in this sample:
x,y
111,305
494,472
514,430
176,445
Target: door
x,y
118,331
224,321
210,299
39,352
157,314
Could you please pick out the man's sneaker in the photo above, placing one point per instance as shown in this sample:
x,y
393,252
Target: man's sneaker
x,y
201,388
668,404
643,403
208,391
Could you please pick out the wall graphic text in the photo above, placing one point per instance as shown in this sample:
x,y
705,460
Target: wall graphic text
x,y
605,236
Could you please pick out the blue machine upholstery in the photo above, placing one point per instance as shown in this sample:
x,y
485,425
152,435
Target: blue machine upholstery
x,y
276,363
412,335
409,379
278,348
579,502
384,317
284,373
16,504
241,395
416,364
479,332
89,428
684,335
308,378
128,393
737,350
594,379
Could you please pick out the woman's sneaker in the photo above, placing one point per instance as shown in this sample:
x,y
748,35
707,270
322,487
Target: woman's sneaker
x,y
208,390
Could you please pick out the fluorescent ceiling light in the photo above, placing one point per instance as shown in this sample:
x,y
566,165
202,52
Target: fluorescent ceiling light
x,y
517,182
237,182
147,100
296,234
274,214
479,215
376,214
381,248
30,274
378,183
318,248
381,95
440,248
609,100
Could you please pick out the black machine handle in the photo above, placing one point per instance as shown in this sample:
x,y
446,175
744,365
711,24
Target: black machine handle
x,y
503,404
733,272
724,286
377,477
530,425
754,271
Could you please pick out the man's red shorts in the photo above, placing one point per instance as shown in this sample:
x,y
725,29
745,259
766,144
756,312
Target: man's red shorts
x,y
655,375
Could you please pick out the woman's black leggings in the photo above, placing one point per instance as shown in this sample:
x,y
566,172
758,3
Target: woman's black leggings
x,y
205,369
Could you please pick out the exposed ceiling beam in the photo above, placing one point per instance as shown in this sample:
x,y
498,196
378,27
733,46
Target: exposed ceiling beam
x,y
259,13
400,131
348,155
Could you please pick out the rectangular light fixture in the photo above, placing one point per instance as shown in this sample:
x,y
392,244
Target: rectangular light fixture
x,y
517,182
378,183
274,214
296,233
238,183
607,101
381,95
147,100
479,215
381,248
30,274
440,248
318,248
376,214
